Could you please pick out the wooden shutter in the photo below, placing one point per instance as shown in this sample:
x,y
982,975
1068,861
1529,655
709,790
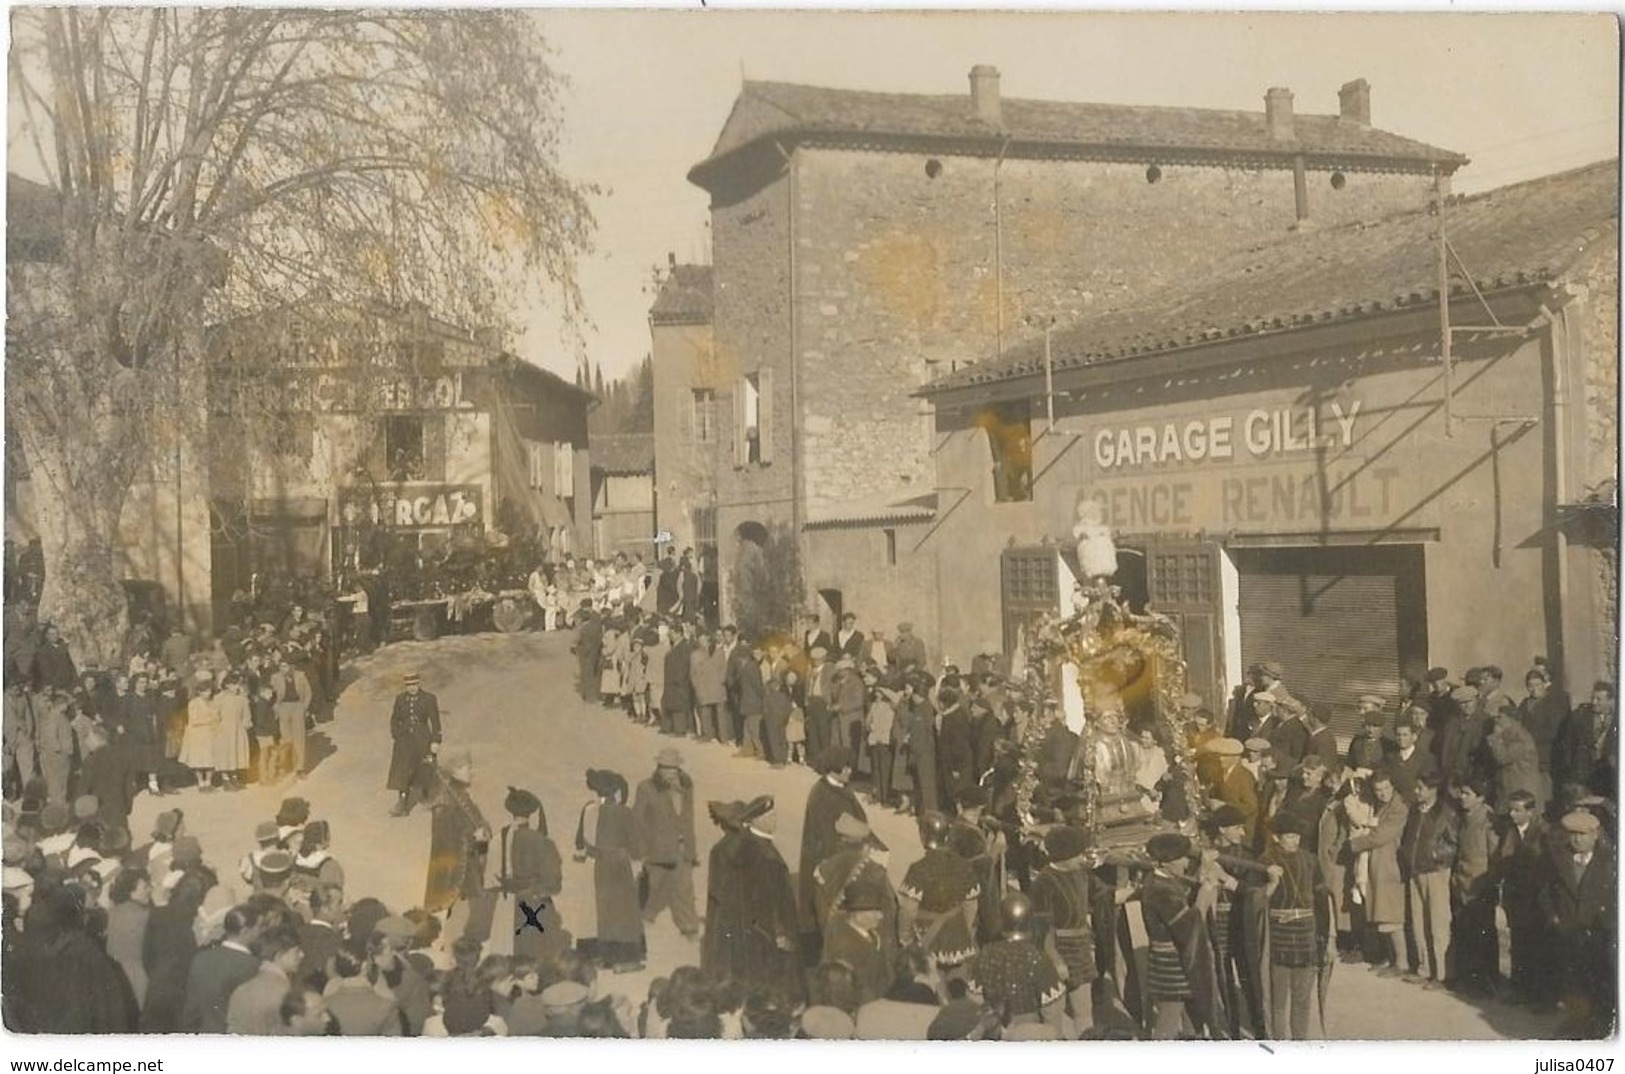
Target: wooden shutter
x,y
1182,582
741,449
764,414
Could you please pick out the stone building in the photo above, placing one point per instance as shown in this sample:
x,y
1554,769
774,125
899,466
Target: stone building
x,y
867,243
1295,471
623,496
687,384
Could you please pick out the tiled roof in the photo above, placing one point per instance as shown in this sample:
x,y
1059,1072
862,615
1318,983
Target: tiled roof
x,y
625,453
1514,236
685,296
820,115
896,506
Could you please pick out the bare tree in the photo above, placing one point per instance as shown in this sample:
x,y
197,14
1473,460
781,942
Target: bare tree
x,y
209,164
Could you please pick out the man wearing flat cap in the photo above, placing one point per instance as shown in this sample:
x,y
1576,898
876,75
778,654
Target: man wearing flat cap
x,y
414,724
1263,678
1579,900
663,815
751,922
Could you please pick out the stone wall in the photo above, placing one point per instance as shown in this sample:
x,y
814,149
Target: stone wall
x,y
853,560
683,361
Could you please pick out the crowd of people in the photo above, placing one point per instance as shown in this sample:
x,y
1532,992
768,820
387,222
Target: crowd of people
x,y
1396,849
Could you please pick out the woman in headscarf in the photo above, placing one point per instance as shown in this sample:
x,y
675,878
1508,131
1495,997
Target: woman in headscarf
x,y
607,835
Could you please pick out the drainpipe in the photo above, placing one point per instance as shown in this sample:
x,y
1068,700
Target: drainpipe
x,y
793,187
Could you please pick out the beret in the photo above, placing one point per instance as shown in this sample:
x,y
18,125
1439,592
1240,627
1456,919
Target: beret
x,y
1065,843
167,824
294,811
275,863
188,851
864,895
1227,816
1168,846
1581,822
1290,824
827,1023
955,1021
564,994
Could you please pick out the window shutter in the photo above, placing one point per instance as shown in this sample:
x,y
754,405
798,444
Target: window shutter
x,y
564,469
764,414
741,449
434,447
379,458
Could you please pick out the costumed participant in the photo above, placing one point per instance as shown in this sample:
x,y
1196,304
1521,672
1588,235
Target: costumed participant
x,y
829,799
606,835
938,900
529,874
1300,924
751,922
1180,981
459,844
858,936
862,857
1238,920
1016,980
1063,897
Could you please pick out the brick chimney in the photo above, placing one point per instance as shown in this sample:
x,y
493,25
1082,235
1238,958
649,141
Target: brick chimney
x,y
1278,113
1354,102
984,94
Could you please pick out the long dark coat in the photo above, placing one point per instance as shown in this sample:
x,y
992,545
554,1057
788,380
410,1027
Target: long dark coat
x,y
750,920
826,803
615,890
166,953
414,724
457,849
589,650
533,873
66,984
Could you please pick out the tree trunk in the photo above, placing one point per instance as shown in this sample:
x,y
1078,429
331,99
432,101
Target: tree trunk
x,y
79,494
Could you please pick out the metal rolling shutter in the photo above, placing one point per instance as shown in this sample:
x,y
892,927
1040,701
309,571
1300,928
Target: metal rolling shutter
x,y
1332,619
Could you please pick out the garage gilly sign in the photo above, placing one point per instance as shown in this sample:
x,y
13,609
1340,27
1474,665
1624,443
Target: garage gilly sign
x,y
412,506
1278,468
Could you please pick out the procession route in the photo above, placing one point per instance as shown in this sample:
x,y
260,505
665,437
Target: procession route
x,y
511,700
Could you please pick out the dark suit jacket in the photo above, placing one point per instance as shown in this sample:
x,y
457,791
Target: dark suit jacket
x,y
1519,864
1577,758
665,835
1576,903
215,973
854,647
748,691
1405,773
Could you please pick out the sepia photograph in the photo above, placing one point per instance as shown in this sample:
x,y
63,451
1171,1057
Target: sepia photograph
x,y
703,525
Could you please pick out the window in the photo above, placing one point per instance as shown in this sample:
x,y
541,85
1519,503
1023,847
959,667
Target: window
x,y
753,419
403,448
1010,439
536,455
564,470
891,548
704,409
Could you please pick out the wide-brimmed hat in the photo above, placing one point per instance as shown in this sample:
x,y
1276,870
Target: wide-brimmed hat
x,y
1227,816
1065,843
521,803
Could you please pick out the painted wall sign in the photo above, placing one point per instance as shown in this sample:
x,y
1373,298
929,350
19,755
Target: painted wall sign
x,y
412,506
1259,434
322,391
1348,495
